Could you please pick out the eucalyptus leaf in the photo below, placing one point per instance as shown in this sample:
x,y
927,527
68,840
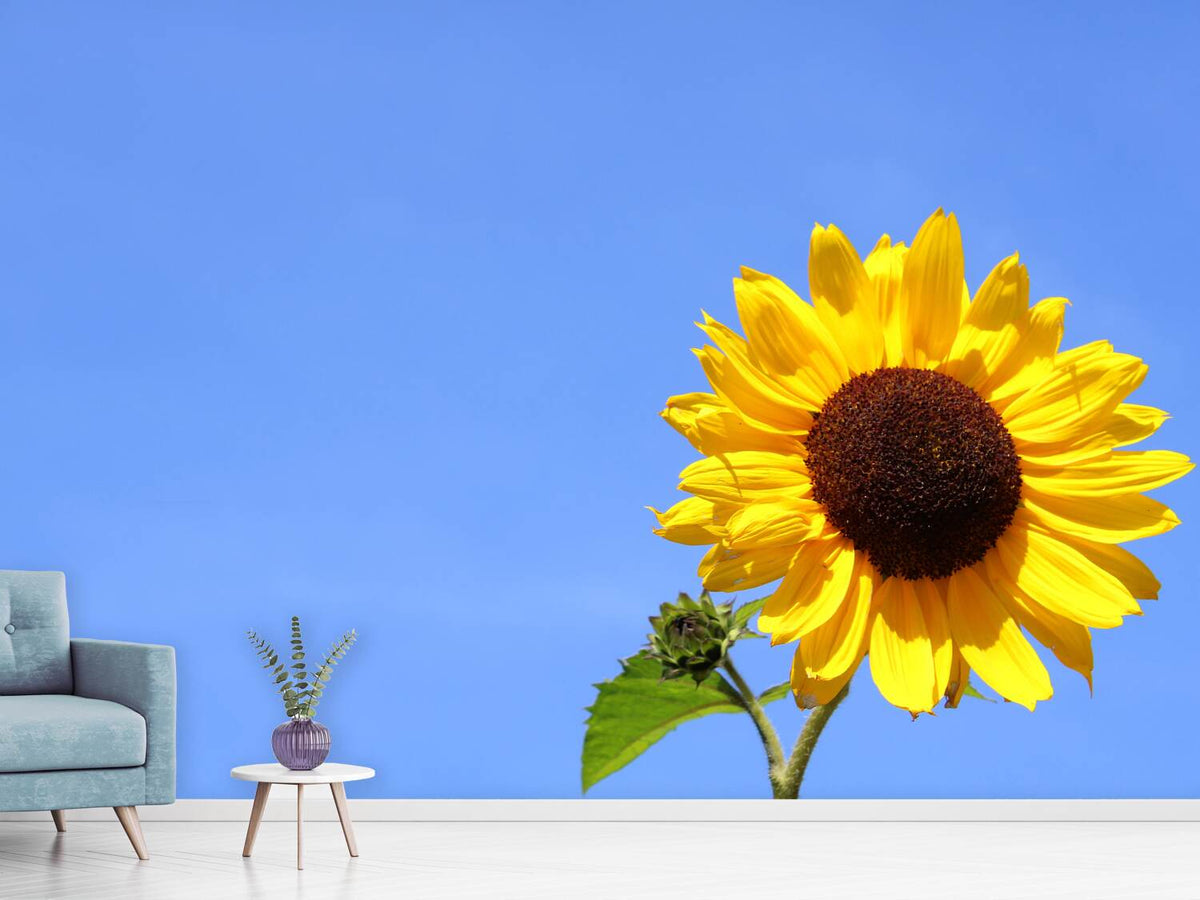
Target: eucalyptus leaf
x,y
299,686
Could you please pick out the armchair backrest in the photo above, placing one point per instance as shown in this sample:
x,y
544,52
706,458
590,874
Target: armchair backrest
x,y
35,637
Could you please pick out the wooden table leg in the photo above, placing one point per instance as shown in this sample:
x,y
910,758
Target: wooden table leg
x,y
256,814
343,811
299,826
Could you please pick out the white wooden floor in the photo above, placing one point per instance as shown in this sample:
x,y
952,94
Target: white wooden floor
x,y
610,860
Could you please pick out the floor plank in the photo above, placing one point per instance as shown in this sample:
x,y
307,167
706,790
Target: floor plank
x,y
606,860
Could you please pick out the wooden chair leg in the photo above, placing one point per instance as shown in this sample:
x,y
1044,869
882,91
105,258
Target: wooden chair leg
x,y
133,829
60,819
256,815
343,811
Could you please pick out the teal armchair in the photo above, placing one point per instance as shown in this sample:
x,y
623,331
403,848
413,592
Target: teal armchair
x,y
83,723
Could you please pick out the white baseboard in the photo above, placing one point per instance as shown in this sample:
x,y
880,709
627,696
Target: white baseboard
x,y
282,806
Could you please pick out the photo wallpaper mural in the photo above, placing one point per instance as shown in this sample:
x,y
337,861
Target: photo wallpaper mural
x,y
923,474
374,321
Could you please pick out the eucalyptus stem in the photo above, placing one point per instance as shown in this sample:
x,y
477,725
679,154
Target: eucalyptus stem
x,y
766,731
788,786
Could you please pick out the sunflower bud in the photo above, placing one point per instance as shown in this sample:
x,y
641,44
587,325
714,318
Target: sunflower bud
x,y
692,637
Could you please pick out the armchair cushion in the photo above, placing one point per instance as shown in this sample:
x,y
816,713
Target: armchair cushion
x,y
142,678
35,654
51,732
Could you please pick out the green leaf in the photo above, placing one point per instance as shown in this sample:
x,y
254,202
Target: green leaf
x,y
635,709
298,655
971,691
281,677
746,612
775,692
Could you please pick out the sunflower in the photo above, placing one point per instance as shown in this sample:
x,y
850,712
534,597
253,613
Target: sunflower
x,y
926,474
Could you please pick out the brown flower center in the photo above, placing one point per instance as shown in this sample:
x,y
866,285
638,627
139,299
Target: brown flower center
x,y
916,469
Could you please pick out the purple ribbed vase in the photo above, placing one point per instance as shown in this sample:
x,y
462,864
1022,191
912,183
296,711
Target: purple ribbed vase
x,y
300,744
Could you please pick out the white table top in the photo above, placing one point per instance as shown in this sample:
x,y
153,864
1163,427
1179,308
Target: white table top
x,y
326,773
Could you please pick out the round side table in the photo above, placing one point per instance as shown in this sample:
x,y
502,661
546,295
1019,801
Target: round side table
x,y
333,774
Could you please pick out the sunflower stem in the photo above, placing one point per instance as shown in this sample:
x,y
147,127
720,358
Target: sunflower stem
x,y
766,731
793,773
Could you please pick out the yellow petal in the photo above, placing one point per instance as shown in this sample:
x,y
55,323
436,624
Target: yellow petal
x,y
745,476
1127,424
1121,564
933,608
830,649
1031,359
771,523
682,410
991,327
844,298
713,427
1091,350
1121,471
1061,578
1131,422
723,569
1108,520
885,267
960,677
991,641
691,521
813,589
787,337
1070,642
811,691
1072,399
901,652
931,291
755,397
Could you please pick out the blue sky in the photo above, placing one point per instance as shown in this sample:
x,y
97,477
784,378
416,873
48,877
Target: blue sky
x,y
366,314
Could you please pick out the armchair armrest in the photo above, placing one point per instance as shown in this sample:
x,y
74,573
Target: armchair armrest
x,y
142,677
